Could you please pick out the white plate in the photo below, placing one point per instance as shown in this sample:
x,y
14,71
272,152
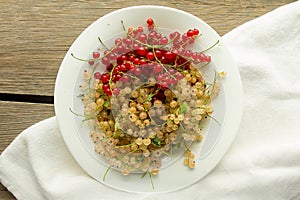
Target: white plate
x,y
217,139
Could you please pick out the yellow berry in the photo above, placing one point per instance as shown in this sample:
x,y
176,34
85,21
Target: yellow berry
x,y
143,115
146,141
139,141
192,164
155,171
186,161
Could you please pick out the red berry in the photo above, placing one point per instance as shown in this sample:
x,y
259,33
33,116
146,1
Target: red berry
x,y
136,61
96,55
143,62
184,37
116,69
108,92
116,91
112,56
91,62
157,68
177,44
150,56
143,38
123,68
151,35
141,51
158,54
120,48
172,71
97,75
137,71
188,53
140,29
105,78
130,29
196,31
105,87
160,78
190,33
201,57
163,41
170,56
110,67
105,61
118,41
127,41
179,76
163,60
117,77
150,21
195,55
131,58
207,59
136,46
125,79
174,36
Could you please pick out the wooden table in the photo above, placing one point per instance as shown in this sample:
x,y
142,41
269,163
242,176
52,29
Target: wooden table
x,y
35,35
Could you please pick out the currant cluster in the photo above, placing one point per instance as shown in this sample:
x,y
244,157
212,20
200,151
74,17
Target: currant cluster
x,y
149,99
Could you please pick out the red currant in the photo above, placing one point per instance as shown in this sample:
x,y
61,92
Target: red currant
x,y
97,75
141,51
108,92
91,62
157,68
207,59
150,56
105,87
96,55
116,91
105,78
125,79
196,31
105,61
143,38
137,71
123,68
140,29
118,41
163,41
158,54
150,21
179,76
190,33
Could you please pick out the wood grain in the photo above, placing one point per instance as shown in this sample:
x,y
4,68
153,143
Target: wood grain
x,y
15,117
35,35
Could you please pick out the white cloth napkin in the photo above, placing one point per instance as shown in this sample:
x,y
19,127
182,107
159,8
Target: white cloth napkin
x,y
263,162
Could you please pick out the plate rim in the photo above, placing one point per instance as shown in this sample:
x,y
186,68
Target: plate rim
x,y
58,107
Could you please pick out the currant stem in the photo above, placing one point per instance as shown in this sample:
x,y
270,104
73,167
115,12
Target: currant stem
x,y
102,43
106,172
151,180
209,48
123,26
213,119
80,59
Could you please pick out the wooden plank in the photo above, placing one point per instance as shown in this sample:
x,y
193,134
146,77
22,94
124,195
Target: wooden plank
x,y
17,116
5,194
35,35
